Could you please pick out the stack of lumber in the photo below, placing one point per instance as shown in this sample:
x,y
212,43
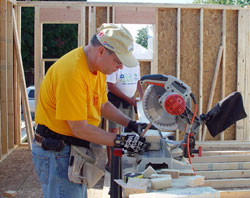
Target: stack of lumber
x,y
226,167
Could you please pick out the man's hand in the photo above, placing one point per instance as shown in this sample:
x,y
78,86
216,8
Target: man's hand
x,y
133,101
137,127
132,143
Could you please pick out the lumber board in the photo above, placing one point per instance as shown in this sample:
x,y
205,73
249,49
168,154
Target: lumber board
x,y
60,15
37,53
221,166
241,70
224,174
209,153
3,78
10,77
228,183
230,144
17,92
222,158
201,69
223,65
103,4
81,28
239,193
247,89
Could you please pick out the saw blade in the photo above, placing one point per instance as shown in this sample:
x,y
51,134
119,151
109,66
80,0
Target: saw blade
x,y
154,111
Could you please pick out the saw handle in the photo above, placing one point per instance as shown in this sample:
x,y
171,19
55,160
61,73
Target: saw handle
x,y
146,129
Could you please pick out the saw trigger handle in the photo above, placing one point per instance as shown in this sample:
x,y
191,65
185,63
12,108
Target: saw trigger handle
x,y
154,79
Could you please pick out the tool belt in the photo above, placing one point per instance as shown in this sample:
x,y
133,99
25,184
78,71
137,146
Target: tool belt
x,y
50,140
83,165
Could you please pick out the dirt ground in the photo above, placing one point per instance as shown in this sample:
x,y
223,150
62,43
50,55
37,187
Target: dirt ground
x,y
17,173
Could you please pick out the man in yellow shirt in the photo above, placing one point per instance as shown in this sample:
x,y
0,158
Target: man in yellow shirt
x,y
72,99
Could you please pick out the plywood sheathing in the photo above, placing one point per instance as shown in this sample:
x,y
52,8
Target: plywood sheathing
x,y
167,41
189,50
101,16
212,41
231,62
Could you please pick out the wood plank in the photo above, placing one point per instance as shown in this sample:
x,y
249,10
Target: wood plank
x,y
230,144
224,174
37,53
17,92
92,22
241,71
228,183
126,4
223,65
247,88
60,15
201,70
10,77
222,158
209,153
3,77
178,57
221,166
240,193
81,28
135,15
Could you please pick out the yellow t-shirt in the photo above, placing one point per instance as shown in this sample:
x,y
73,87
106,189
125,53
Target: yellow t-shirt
x,y
70,91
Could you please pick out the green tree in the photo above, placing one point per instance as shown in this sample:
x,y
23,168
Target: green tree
x,y
142,37
241,3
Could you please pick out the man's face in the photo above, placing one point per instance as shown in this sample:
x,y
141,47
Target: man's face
x,y
109,63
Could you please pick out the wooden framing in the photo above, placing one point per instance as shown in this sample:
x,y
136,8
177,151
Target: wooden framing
x,y
174,48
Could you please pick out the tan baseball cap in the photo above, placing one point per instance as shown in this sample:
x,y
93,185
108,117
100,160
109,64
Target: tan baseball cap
x,y
118,39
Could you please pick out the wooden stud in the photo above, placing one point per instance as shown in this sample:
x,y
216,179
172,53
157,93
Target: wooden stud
x,y
10,76
154,66
211,95
241,69
3,77
81,28
178,57
247,88
223,66
108,14
37,52
201,70
92,21
17,91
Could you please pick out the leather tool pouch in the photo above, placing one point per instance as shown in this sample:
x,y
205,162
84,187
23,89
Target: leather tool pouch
x,y
49,144
82,167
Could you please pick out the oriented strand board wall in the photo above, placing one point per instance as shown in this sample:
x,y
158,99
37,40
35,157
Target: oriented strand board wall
x,y
212,41
190,48
231,61
167,41
101,16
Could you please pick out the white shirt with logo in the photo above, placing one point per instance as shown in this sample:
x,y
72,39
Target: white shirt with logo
x,y
126,79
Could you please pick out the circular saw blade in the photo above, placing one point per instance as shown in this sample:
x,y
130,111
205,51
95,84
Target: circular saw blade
x,y
154,112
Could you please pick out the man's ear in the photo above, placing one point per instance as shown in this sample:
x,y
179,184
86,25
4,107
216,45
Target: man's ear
x,y
101,50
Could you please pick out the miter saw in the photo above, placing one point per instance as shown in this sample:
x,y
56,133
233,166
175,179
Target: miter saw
x,y
167,105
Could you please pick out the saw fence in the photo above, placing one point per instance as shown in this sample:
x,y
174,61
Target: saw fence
x,y
206,46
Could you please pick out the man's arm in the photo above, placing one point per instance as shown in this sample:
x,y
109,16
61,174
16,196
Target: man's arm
x,y
81,129
110,112
113,89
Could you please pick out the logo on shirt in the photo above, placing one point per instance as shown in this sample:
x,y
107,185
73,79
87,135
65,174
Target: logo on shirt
x,y
95,100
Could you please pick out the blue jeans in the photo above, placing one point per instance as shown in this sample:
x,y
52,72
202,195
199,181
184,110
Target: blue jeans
x,y
52,170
